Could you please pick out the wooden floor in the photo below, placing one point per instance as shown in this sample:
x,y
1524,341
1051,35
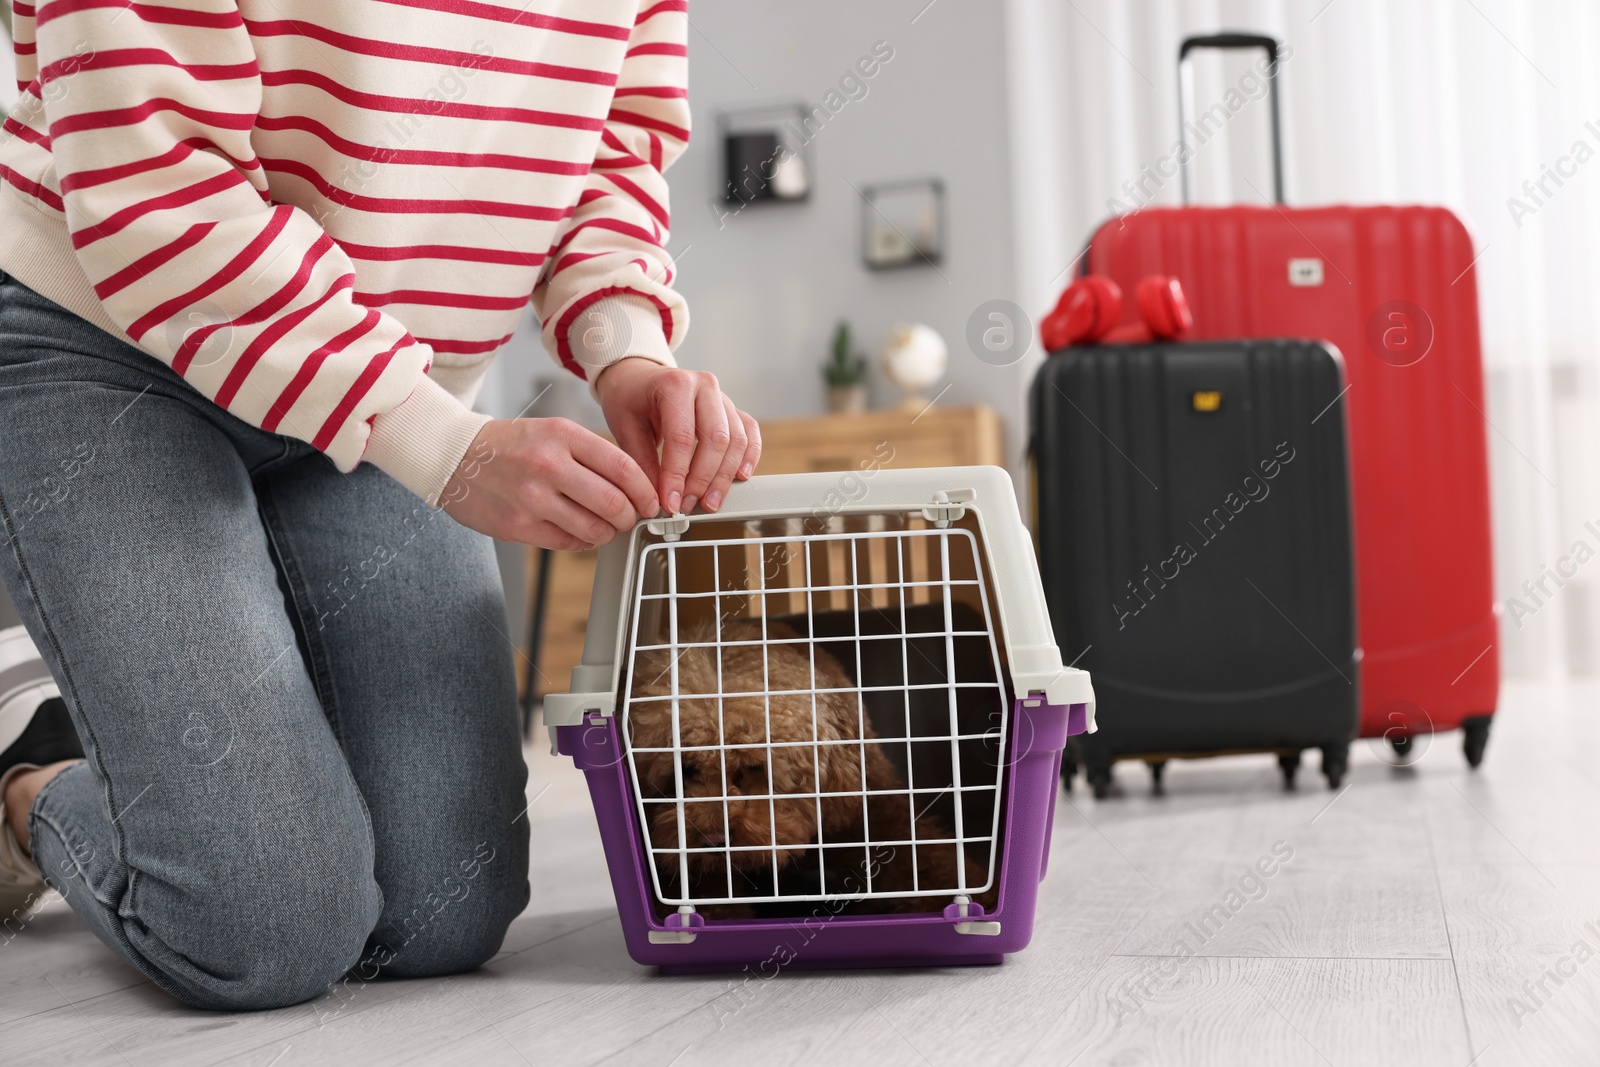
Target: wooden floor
x,y
1414,908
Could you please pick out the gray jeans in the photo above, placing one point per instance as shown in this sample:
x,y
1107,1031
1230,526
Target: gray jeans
x,y
292,685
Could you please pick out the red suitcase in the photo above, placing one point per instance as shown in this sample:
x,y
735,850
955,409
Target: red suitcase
x,y
1393,288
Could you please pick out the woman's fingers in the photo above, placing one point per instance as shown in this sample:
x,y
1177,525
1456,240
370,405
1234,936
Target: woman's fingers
x,y
752,448
705,442
711,437
548,482
611,467
597,497
732,459
577,520
547,534
675,418
637,438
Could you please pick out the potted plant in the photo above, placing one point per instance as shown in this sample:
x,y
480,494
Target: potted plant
x,y
846,374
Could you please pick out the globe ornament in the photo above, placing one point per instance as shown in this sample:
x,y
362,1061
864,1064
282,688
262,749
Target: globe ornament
x,y
914,358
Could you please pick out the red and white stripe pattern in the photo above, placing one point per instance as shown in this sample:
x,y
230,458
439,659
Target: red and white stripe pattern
x,y
303,205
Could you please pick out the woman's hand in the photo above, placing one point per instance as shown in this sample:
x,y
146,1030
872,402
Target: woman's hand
x,y
547,482
705,441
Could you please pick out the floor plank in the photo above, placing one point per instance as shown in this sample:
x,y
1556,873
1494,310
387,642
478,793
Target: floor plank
x,y
53,950
1308,908
1229,1011
1528,956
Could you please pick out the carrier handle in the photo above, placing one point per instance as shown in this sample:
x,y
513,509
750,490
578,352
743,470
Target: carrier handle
x,y
1229,41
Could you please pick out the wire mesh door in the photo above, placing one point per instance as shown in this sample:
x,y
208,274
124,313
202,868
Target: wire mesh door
x,y
817,716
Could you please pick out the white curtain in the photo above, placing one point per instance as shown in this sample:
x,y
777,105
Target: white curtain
x,y
1454,102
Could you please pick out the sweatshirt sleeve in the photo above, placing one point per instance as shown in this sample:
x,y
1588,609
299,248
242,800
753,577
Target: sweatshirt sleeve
x,y
606,292
250,301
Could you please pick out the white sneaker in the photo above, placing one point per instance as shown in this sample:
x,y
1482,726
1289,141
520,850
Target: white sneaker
x,y
35,730
25,683
22,890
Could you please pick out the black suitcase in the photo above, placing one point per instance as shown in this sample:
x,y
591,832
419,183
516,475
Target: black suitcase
x,y
1192,507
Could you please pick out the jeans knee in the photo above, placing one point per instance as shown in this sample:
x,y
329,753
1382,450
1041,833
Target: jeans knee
x,y
448,935
271,949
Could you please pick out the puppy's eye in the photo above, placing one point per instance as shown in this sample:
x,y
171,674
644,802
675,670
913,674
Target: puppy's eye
x,y
752,774
691,773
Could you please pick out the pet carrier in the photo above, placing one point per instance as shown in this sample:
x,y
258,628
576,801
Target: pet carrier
x,y
822,727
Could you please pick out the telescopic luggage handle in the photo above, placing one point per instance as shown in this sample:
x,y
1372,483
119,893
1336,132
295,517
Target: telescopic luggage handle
x,y
1230,41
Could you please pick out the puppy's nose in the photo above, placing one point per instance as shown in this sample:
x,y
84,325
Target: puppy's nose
x,y
714,838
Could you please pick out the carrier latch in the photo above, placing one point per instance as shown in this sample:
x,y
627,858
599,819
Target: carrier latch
x,y
948,506
963,907
669,529
681,926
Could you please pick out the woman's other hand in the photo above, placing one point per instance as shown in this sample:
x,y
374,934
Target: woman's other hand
x,y
705,442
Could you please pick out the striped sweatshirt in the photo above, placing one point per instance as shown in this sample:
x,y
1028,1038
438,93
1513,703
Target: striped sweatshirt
x,y
327,215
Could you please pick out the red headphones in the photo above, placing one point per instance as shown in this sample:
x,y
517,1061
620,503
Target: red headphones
x,y
1088,311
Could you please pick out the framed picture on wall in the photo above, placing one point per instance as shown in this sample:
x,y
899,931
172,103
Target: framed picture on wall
x,y
766,154
902,223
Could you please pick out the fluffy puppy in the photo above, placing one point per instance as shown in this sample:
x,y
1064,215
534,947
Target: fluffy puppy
x,y
761,821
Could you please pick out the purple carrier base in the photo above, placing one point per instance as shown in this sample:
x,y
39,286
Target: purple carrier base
x,y
822,939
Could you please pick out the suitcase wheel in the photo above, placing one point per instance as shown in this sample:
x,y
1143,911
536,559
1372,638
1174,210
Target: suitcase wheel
x,y
1099,781
1475,731
1403,745
1335,761
1157,768
1289,763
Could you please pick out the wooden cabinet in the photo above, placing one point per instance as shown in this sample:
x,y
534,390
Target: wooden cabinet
x,y
939,437
894,438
